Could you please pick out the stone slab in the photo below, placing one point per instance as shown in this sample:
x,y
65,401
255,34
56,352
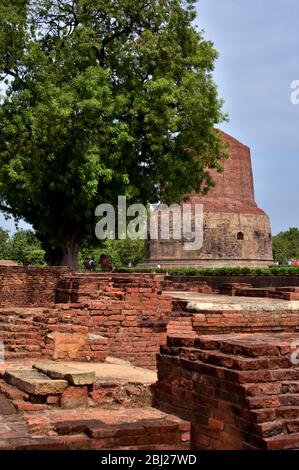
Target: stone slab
x,y
198,302
33,382
73,375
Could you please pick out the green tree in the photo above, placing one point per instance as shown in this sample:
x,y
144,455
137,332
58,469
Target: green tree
x,y
36,257
122,252
21,246
130,251
103,98
4,244
94,252
286,245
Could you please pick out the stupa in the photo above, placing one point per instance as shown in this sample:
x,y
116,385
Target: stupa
x,y
236,232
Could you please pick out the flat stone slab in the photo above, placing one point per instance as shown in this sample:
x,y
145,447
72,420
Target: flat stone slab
x,y
33,382
73,375
197,302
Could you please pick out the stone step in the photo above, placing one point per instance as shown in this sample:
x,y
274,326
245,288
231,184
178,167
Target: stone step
x,y
35,383
288,289
283,442
246,346
134,429
71,374
12,392
291,296
150,432
138,429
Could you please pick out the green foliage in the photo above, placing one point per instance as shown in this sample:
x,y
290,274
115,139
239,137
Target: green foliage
x,y
237,271
22,247
94,253
103,98
130,251
36,257
4,244
122,252
286,245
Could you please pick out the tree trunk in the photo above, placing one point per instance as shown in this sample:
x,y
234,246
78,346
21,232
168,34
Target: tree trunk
x,y
53,257
66,254
70,249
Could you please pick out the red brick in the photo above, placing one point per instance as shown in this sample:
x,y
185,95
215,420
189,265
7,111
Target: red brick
x,y
74,397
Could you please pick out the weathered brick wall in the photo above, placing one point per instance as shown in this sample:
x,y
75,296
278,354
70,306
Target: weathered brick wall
x,y
127,310
90,287
23,331
186,283
133,334
37,332
230,321
239,391
22,286
181,326
284,293
246,290
215,322
214,283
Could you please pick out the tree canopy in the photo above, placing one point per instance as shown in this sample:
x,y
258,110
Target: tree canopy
x,y
22,246
122,252
103,98
25,248
286,245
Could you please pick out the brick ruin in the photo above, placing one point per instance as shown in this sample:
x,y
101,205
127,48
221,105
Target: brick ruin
x,y
82,351
240,392
126,314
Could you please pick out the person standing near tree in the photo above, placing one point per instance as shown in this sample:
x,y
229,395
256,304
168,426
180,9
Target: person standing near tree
x,y
105,262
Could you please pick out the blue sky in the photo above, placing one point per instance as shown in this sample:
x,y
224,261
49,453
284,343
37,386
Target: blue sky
x,y
258,42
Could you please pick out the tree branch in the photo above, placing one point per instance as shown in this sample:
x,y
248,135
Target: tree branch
x,y
5,209
106,41
11,73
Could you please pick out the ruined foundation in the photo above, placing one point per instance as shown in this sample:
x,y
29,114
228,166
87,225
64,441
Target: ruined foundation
x,y
82,351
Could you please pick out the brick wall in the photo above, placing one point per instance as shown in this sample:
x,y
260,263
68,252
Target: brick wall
x,y
36,332
128,310
240,392
29,286
204,322
215,322
25,331
186,283
207,283
22,286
